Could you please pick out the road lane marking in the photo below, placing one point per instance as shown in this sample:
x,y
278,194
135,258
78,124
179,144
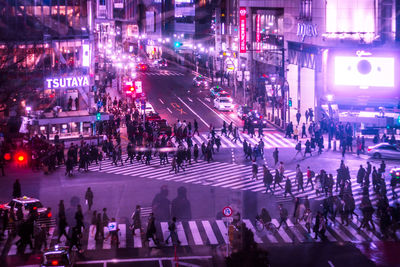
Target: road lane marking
x,y
165,232
190,99
183,102
181,234
169,110
162,102
122,233
222,118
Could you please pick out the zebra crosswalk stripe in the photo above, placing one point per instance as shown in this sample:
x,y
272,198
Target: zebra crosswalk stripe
x,y
282,231
223,230
210,233
296,232
190,233
91,238
249,225
195,233
165,232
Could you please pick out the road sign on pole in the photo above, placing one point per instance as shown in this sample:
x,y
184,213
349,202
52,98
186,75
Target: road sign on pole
x,y
239,75
247,75
227,211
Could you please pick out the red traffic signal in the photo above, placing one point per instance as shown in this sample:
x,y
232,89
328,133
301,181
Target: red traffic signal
x,y
20,157
7,156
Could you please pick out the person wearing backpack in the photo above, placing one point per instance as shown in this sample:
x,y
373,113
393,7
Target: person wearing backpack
x,y
310,176
298,149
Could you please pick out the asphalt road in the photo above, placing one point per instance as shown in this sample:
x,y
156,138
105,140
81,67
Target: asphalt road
x,y
209,188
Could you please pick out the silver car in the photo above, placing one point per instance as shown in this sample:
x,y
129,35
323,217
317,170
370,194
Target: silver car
x,y
384,150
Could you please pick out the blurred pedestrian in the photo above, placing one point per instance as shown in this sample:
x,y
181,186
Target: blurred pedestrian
x,y
89,198
16,189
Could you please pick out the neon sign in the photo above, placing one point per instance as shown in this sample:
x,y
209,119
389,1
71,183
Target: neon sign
x,y
304,30
242,32
361,53
67,82
258,34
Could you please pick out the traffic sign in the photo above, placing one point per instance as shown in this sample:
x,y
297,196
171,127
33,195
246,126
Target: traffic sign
x,y
138,85
112,226
227,211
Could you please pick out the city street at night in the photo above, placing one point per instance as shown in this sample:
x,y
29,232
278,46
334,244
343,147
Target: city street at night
x,y
200,133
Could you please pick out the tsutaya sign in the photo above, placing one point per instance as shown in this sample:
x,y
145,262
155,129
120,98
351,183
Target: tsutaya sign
x,y
67,82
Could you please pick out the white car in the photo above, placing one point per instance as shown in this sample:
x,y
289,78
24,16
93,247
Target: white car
x,y
223,103
384,150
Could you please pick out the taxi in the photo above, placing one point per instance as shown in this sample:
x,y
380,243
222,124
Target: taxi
x,y
58,256
26,203
223,104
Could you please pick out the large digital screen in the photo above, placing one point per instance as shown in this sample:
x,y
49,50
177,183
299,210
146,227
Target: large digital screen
x,y
364,72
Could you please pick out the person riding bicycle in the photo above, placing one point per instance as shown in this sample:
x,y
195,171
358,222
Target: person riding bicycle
x,y
264,216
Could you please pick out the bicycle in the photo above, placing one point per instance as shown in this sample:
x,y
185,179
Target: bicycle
x,y
261,225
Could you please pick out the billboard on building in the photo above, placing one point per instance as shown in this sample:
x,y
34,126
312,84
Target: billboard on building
x,y
242,30
363,74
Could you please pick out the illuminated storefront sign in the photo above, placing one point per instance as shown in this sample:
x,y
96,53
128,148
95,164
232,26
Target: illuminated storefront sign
x,y
258,29
85,55
67,82
242,32
305,29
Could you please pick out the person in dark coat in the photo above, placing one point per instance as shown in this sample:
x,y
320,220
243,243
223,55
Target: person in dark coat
x,y
268,179
288,188
89,198
16,189
137,223
180,206
151,229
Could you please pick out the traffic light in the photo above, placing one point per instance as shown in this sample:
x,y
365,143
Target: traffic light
x,y
21,158
98,116
290,102
177,44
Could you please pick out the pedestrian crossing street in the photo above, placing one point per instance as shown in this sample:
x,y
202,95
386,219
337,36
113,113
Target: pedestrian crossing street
x,y
230,176
162,73
270,139
212,233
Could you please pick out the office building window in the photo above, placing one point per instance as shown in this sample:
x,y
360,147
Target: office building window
x,y
306,10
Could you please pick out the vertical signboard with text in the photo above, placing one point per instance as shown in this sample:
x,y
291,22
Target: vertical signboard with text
x,y
258,29
242,30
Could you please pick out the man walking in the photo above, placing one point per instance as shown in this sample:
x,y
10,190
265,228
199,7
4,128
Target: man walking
x,y
298,149
275,155
255,170
288,188
268,178
283,214
310,176
173,232
196,128
89,198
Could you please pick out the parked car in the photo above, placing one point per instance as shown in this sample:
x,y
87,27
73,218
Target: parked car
x,y
223,104
384,150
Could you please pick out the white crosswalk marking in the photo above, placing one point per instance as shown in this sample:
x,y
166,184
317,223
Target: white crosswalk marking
x,y
282,231
91,238
137,239
181,234
293,234
195,233
107,241
296,232
122,235
249,225
210,233
165,232
270,139
222,227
